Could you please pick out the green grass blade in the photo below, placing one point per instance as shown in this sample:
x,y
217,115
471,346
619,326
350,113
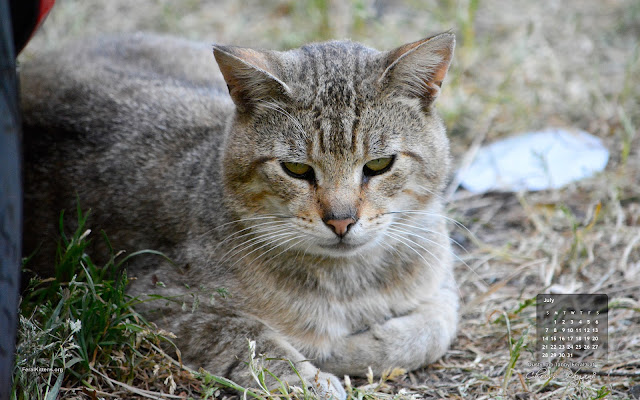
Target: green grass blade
x,y
53,393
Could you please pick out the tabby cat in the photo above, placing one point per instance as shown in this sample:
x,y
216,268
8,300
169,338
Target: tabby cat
x,y
306,183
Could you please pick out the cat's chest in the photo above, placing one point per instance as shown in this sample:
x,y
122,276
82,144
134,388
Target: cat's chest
x,y
314,322
317,309
335,319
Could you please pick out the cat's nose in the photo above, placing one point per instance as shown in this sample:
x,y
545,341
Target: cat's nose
x,y
340,226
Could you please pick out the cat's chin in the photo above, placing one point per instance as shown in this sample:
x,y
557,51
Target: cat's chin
x,y
339,249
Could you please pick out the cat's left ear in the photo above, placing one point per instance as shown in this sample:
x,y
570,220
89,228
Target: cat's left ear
x,y
417,69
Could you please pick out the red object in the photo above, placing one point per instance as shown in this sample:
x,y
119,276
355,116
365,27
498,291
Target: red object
x,y
45,7
26,17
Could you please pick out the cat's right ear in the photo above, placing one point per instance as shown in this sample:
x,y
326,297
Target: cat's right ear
x,y
251,76
417,69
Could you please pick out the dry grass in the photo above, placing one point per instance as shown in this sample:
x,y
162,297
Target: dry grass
x,y
520,65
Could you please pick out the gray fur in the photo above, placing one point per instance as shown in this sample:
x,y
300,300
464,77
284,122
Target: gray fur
x,y
143,129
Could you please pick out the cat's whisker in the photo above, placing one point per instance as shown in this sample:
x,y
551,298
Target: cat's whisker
x,y
285,250
429,231
265,227
400,238
254,241
405,234
417,252
431,192
432,214
269,242
265,241
252,229
265,216
446,248
439,245
272,227
390,247
298,252
307,248
410,233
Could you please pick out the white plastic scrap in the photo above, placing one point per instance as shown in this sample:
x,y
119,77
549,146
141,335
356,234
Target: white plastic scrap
x,y
534,161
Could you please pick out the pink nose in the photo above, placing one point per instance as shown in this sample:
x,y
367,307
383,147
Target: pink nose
x,y
340,226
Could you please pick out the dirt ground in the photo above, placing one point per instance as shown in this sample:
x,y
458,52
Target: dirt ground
x,y
519,66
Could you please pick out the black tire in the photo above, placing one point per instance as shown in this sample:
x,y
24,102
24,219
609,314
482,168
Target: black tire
x,y
10,201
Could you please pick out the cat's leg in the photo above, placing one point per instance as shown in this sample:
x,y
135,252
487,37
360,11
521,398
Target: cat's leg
x,y
409,341
326,385
219,342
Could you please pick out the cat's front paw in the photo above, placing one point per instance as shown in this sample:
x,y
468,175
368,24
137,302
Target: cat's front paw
x,y
328,386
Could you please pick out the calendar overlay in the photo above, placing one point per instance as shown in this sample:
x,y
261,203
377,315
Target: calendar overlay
x,y
571,328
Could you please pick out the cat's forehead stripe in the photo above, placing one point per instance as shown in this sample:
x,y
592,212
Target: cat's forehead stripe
x,y
335,68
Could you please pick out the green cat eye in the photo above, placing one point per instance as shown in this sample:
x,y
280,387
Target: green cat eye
x,y
377,166
298,170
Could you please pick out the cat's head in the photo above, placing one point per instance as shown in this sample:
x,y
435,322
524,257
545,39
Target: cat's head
x,y
331,140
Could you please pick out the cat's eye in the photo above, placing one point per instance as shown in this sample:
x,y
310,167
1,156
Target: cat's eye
x,y
298,170
378,166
